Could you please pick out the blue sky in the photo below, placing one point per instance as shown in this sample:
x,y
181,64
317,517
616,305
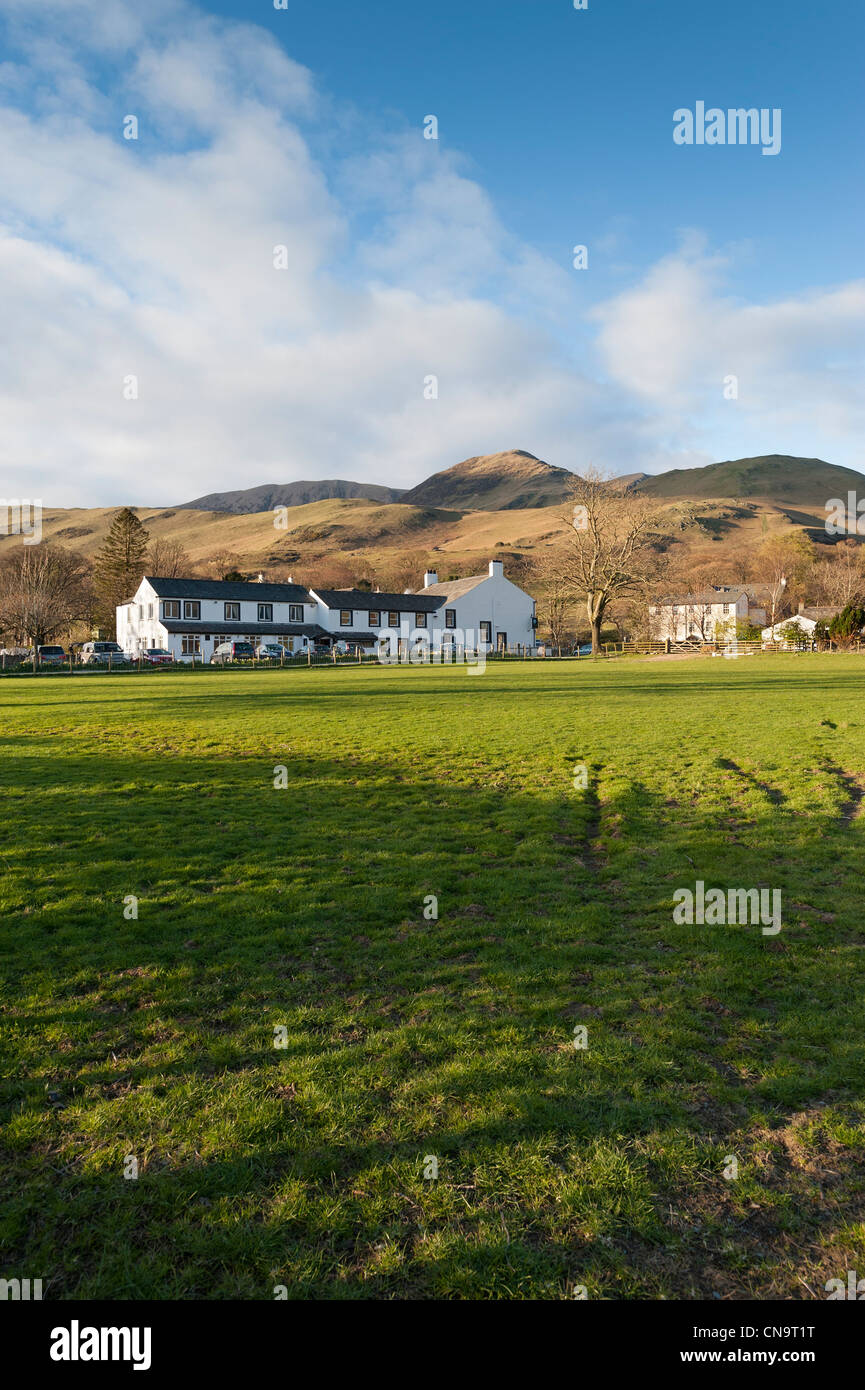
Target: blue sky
x,y
152,259
566,116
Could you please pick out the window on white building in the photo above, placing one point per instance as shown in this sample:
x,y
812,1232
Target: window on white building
x,y
190,644
295,612
393,619
171,608
485,632
420,619
450,617
232,612
374,618
192,609
265,612
345,617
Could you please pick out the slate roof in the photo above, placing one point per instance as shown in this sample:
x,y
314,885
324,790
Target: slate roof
x,y
229,589
455,588
366,601
241,628
819,615
705,596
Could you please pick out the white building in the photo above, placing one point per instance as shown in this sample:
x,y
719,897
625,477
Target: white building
x,y
710,616
499,614
805,621
365,616
483,613
190,617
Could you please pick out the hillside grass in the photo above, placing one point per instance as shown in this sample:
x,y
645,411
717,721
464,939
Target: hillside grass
x,y
303,909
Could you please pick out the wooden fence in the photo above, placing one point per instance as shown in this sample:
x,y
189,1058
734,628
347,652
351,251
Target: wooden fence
x,y
16,665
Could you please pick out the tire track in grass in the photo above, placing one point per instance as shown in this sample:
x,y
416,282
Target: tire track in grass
x,y
773,795
851,786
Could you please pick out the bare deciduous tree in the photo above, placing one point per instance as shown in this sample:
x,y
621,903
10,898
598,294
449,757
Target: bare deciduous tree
x,y
555,598
839,580
167,559
44,589
780,561
612,549
222,562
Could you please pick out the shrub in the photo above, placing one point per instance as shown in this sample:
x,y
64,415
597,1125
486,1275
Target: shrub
x,y
847,625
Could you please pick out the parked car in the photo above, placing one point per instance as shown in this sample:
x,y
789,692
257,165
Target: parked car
x,y
50,656
271,651
581,649
157,656
103,654
231,653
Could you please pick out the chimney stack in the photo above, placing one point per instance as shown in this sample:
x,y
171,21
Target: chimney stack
x,y
431,577
497,569
260,579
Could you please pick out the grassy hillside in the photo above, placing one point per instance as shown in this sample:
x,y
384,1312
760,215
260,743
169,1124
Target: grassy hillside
x,y
269,495
710,511
783,480
408,1038
355,531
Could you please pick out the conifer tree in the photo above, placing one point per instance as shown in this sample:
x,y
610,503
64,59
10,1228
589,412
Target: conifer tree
x,y
120,564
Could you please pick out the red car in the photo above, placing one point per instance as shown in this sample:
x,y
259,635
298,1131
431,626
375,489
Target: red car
x,y
157,656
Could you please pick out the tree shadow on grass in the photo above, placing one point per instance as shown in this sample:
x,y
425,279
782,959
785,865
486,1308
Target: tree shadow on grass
x,y
406,1035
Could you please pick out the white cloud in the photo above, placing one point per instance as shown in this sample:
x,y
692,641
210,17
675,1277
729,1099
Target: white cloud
x,y
673,339
155,258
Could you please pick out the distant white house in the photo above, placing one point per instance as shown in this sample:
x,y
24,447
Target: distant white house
x,y
190,617
711,615
805,621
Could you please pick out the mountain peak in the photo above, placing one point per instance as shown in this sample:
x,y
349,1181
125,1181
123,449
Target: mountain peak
x,y
494,482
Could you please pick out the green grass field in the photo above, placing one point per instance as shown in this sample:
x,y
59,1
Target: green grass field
x,y
405,1038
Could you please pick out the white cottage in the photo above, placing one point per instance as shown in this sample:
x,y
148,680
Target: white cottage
x,y
483,613
805,622
709,616
190,617
496,612
365,616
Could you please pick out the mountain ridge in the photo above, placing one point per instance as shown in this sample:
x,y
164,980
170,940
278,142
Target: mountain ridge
x,y
516,480
245,501
784,478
